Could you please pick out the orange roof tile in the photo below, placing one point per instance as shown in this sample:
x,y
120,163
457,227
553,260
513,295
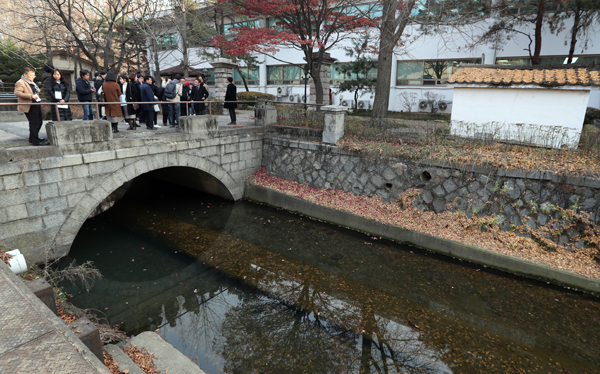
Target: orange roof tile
x,y
506,76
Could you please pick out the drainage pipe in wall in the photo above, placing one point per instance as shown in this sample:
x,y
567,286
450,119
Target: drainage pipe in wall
x,y
17,262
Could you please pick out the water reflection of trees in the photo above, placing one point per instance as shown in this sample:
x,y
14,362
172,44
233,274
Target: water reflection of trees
x,y
299,327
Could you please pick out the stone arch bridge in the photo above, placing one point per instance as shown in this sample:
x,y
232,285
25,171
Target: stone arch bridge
x,y
47,193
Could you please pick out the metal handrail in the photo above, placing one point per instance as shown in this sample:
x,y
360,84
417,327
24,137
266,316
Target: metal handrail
x,y
99,104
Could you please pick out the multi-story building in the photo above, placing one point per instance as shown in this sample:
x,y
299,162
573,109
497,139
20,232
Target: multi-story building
x,y
421,69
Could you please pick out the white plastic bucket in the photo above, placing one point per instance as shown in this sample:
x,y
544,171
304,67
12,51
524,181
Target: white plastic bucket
x,y
17,262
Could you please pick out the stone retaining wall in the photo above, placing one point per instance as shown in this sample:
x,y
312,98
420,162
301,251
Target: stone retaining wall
x,y
512,197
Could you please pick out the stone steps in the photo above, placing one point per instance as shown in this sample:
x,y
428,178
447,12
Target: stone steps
x,y
124,362
166,357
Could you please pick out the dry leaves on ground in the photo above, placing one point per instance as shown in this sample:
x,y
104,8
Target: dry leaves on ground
x,y
112,365
143,359
448,225
64,315
5,257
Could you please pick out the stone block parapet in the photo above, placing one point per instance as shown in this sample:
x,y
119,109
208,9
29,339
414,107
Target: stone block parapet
x,y
71,132
46,193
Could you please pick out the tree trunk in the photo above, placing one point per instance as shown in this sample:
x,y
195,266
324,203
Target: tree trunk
x,y
392,28
243,79
535,60
574,32
185,62
156,61
381,102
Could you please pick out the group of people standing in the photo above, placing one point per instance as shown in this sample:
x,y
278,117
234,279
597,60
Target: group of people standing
x,y
127,90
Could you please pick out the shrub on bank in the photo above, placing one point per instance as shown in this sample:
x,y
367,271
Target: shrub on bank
x,y
252,96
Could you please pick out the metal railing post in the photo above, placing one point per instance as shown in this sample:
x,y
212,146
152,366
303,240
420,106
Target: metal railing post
x,y
57,112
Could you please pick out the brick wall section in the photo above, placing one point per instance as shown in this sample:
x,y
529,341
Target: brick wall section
x,y
515,196
46,194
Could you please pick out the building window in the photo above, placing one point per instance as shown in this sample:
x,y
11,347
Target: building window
x,y
210,76
513,61
338,77
288,74
251,75
227,28
167,41
410,73
428,72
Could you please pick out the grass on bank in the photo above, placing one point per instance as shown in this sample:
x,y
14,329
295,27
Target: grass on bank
x,y
425,140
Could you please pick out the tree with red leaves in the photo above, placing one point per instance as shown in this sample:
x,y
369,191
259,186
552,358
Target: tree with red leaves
x,y
311,26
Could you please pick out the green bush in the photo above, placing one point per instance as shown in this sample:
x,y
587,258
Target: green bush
x,y
214,107
590,115
404,115
252,96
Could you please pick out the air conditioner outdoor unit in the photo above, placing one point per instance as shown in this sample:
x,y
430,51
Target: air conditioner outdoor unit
x,y
295,98
364,104
344,103
303,98
282,91
292,98
424,106
445,106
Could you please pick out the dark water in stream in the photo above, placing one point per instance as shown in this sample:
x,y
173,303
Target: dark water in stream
x,y
244,288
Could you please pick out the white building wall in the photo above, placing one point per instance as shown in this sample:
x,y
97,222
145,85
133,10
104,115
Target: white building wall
x,y
545,117
448,44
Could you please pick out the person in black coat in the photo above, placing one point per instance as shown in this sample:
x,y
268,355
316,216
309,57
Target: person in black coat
x,y
164,106
148,96
231,95
156,91
58,91
185,96
199,93
135,94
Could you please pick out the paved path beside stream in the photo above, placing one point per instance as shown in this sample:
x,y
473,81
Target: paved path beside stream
x,y
33,339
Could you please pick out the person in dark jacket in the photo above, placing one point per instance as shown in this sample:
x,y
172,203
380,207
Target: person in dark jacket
x,y
58,91
135,95
231,95
148,95
141,113
84,94
199,93
185,96
98,82
164,106
112,91
128,111
156,90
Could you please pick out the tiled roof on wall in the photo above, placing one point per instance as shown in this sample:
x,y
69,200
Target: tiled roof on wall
x,y
526,75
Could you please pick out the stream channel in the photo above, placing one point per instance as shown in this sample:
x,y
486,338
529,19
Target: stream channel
x,y
245,288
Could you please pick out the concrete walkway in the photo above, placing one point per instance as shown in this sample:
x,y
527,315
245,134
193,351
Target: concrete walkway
x,y
16,134
33,339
